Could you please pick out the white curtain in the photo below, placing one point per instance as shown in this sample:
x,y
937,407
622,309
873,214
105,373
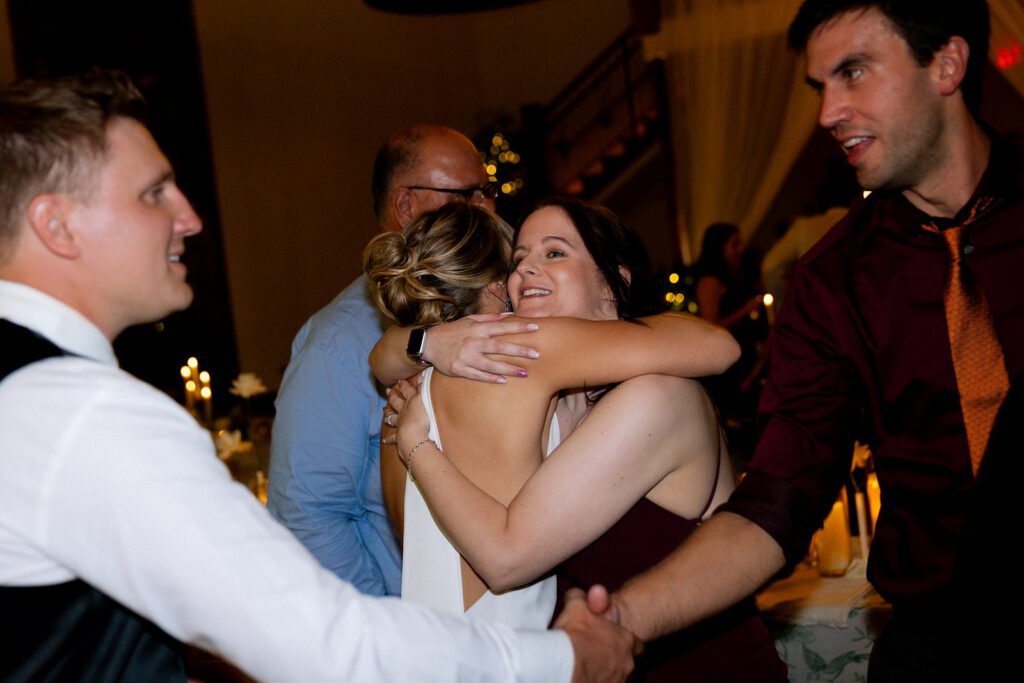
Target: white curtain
x,y
741,110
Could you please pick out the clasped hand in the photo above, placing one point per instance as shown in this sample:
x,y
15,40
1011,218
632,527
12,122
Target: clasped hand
x,y
466,347
407,415
604,650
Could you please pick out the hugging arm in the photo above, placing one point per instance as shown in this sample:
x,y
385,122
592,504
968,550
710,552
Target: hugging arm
x,y
726,559
579,492
458,349
575,353
481,349
392,480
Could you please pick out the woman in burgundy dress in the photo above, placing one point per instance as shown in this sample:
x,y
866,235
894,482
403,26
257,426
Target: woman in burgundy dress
x,y
645,462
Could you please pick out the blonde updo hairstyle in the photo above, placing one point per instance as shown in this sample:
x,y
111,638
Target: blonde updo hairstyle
x,y
436,268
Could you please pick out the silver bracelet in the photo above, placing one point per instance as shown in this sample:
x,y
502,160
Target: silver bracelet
x,y
408,458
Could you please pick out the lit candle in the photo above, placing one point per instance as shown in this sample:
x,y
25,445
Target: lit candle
x,y
874,498
206,393
862,524
261,486
193,365
834,544
190,396
190,387
769,310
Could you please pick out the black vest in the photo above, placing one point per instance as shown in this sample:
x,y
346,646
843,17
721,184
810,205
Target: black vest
x,y
71,631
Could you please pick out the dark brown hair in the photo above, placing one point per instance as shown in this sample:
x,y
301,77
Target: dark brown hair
x,y
925,25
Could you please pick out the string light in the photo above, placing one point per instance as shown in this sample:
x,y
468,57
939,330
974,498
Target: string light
x,y
497,164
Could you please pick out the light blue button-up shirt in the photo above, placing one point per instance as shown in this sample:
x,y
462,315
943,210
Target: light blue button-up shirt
x,y
324,466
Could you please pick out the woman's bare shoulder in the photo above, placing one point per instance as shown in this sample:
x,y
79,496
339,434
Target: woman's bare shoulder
x,y
676,408
657,389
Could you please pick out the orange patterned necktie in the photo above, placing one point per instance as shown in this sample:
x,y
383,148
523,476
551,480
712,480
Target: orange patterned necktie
x,y
978,362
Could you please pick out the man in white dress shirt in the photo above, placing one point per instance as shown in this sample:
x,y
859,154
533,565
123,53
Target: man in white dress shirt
x,y
121,534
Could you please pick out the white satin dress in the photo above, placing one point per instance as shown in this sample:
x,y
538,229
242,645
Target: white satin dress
x,y
432,572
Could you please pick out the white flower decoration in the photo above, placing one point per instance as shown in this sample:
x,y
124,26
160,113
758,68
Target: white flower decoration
x,y
247,385
230,442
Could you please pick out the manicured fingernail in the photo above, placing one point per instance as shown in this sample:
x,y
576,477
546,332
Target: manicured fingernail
x,y
520,373
501,380
532,327
533,353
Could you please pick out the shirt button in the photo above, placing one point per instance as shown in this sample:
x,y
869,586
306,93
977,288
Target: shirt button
x,y
969,249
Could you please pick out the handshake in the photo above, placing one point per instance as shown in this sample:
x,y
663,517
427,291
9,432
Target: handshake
x,y
604,649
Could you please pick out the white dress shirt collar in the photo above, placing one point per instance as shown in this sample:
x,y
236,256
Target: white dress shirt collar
x,y
55,320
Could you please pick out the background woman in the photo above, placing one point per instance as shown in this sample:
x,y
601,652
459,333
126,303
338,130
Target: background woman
x,y
634,478
453,262
728,293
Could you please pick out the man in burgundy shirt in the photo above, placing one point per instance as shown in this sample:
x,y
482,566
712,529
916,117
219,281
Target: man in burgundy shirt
x,y
861,348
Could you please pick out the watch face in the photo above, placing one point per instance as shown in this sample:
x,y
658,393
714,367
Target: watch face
x,y
415,347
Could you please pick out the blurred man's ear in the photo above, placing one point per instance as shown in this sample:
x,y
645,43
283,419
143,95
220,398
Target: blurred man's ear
x,y
48,218
403,207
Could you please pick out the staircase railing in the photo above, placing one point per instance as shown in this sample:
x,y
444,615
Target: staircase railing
x,y
600,113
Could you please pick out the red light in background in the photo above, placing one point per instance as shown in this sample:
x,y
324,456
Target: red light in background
x,y
1007,56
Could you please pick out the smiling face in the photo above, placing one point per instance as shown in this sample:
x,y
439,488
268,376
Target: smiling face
x,y
132,228
554,273
877,101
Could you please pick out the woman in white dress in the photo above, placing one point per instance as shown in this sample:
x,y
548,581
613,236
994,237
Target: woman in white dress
x,y
452,263
629,483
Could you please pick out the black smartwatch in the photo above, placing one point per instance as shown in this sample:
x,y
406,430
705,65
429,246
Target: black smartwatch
x,y
417,340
